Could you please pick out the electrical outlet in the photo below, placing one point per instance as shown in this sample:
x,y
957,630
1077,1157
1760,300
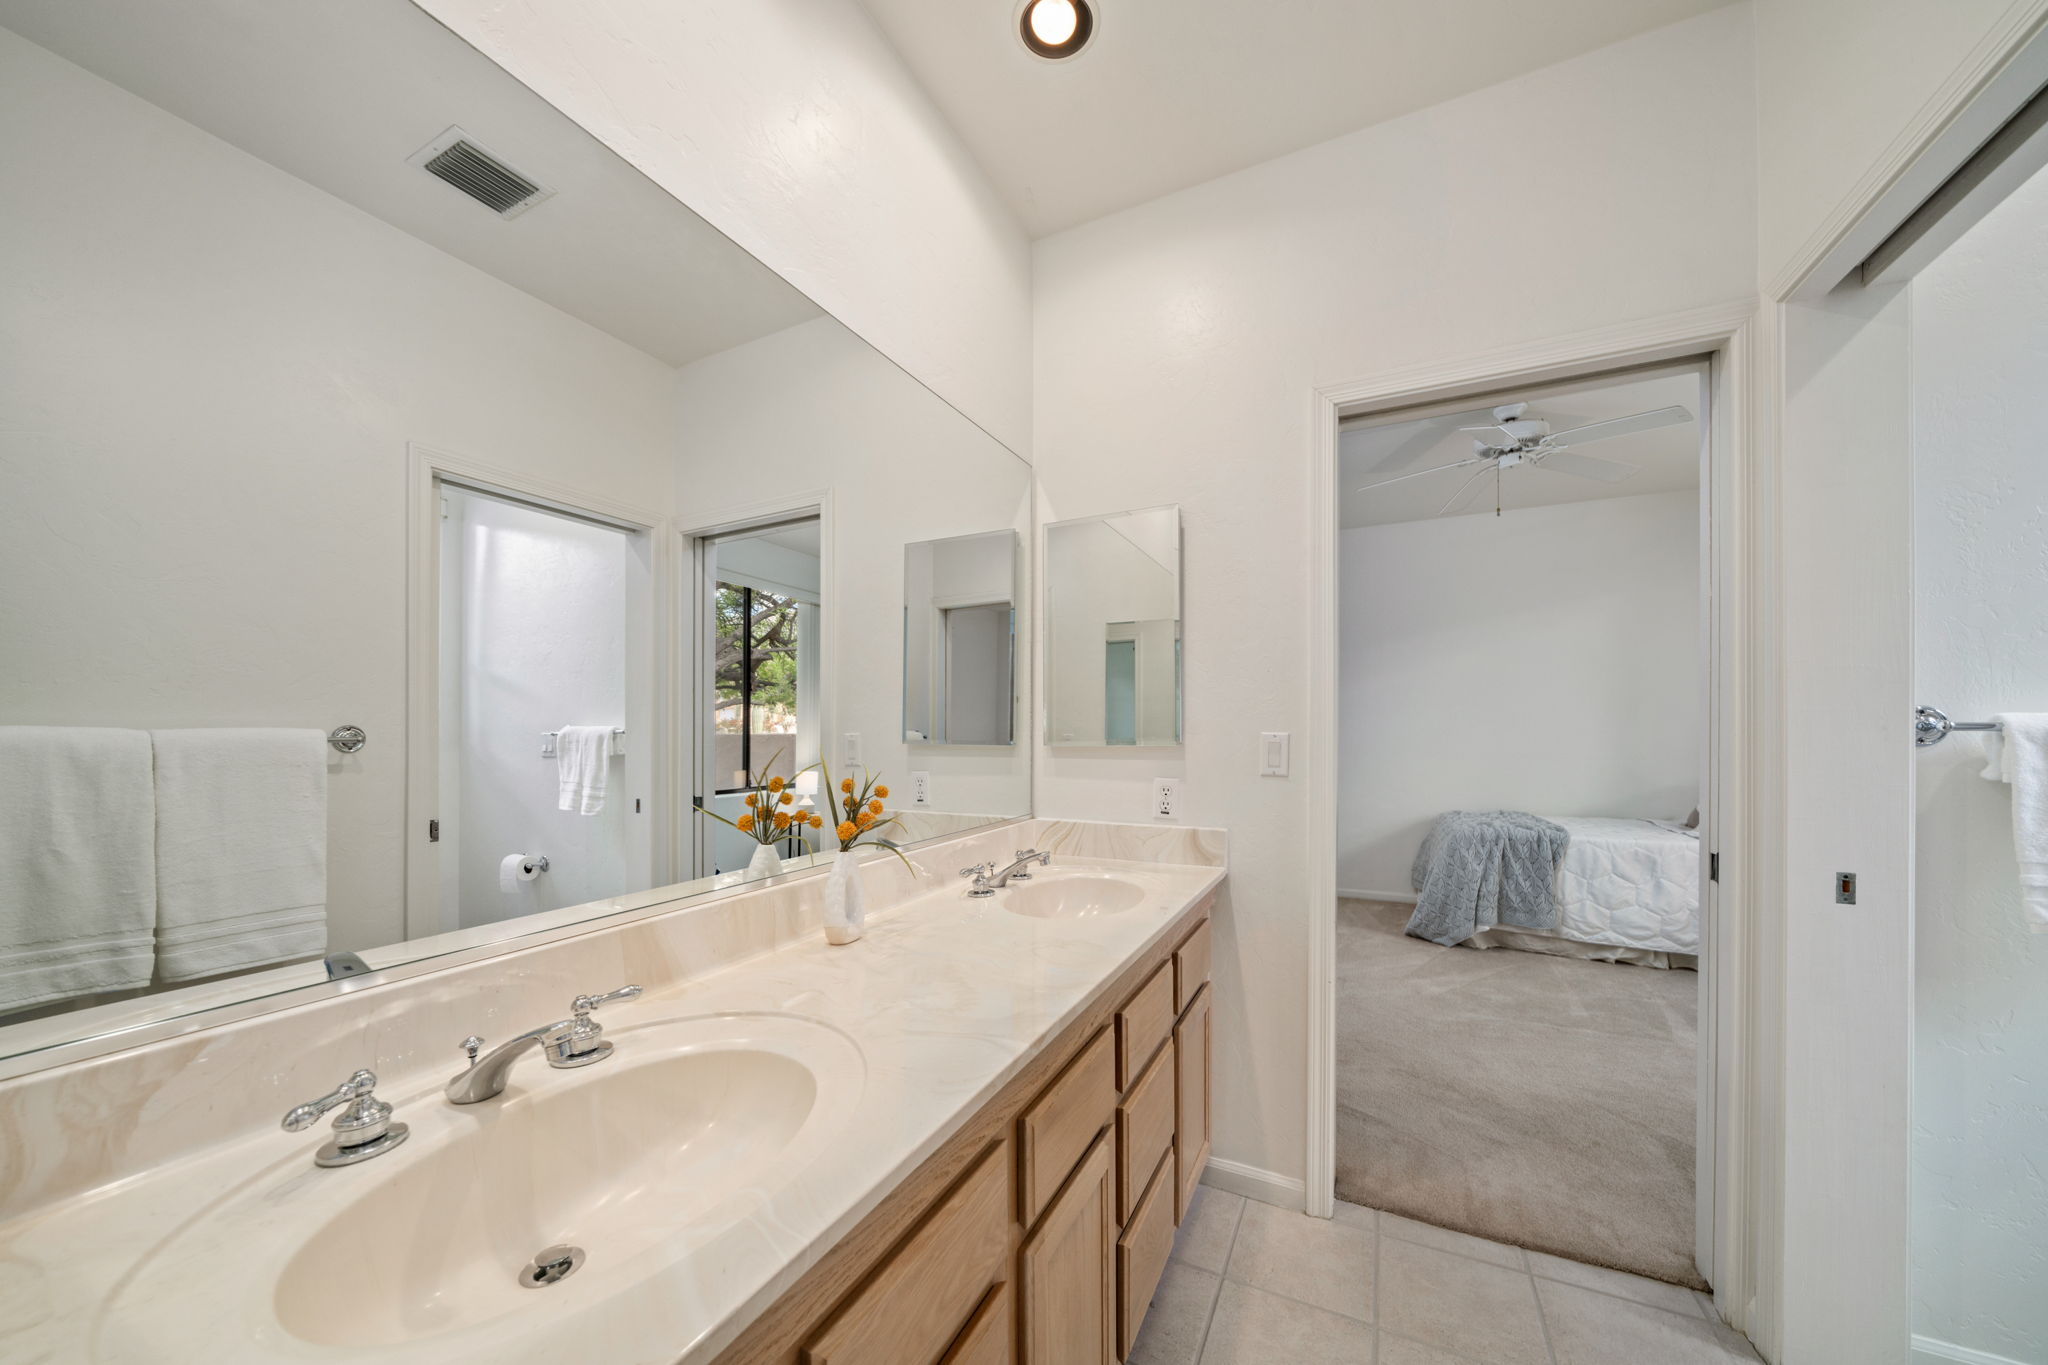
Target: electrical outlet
x,y
1165,797
849,750
920,789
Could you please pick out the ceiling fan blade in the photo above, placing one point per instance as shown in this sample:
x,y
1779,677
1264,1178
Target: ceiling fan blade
x,y
1463,488
1429,434
1622,426
1433,469
1587,466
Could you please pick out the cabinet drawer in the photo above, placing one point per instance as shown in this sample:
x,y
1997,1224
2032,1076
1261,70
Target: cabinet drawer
x,y
1066,1272
990,1337
928,1287
1141,1256
1192,1103
1056,1130
1142,1025
1191,967
1144,1132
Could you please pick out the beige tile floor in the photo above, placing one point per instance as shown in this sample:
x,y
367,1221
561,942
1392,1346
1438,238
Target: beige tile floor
x,y
1250,1284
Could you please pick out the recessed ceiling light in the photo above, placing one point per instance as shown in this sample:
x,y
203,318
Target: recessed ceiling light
x,y
1056,28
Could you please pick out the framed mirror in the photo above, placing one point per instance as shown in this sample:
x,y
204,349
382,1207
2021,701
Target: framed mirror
x,y
960,640
359,490
1112,630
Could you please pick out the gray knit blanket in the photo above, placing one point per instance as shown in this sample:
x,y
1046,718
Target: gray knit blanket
x,y
1481,868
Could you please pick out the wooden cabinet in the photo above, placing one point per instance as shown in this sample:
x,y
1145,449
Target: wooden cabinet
x,y
929,1287
1142,1025
1066,1278
1144,1131
1192,1046
1141,1254
990,1337
1060,1124
1038,1231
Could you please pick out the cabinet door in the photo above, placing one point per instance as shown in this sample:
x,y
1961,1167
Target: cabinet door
x,y
1067,1273
990,1337
1191,1096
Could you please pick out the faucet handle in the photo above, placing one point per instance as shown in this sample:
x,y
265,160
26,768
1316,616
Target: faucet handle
x,y
582,1005
362,1130
472,1045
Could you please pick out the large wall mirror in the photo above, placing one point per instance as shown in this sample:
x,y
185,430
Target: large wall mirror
x,y
417,520
1112,630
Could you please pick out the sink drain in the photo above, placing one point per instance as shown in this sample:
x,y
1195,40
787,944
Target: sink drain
x,y
551,1266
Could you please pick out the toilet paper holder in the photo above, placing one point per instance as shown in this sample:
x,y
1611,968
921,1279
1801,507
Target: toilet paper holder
x,y
537,863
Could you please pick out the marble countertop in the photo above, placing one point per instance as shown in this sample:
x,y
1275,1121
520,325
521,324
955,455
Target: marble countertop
x,y
942,1002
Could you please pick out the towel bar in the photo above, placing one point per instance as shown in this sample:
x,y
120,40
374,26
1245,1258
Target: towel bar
x,y
548,738
347,738
1932,726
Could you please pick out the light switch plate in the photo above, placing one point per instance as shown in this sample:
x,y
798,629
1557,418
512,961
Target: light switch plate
x,y
1165,798
1274,746
849,750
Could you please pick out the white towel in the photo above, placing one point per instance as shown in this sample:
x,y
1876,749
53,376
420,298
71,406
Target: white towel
x,y
2018,753
77,877
582,753
241,849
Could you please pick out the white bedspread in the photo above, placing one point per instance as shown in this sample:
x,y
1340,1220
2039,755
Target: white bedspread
x,y
1630,883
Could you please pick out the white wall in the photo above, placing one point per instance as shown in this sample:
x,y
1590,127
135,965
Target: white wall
x,y
1178,345
1837,83
813,407
1547,660
543,645
209,365
1980,1099
797,131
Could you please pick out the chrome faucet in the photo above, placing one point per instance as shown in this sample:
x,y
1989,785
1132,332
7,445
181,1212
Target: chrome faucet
x,y
572,1042
988,881
362,1130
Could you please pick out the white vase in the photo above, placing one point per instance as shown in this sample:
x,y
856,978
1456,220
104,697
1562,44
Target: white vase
x,y
766,862
846,915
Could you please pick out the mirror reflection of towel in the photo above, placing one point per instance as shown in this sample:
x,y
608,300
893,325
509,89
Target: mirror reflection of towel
x,y
77,879
582,752
2018,754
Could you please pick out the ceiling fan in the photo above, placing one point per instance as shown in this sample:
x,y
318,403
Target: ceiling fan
x,y
1513,438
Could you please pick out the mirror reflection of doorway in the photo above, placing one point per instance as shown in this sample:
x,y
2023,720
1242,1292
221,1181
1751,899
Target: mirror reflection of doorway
x,y
758,714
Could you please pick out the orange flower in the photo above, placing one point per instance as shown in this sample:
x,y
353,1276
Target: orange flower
x,y
881,791
776,784
846,831
817,821
788,797
782,819
745,822
864,820
752,800
875,807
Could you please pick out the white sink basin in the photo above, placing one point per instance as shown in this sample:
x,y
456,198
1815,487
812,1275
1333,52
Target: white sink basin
x,y
1081,895
636,1162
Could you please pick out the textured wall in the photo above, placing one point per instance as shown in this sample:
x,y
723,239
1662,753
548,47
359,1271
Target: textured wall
x,y
1980,1102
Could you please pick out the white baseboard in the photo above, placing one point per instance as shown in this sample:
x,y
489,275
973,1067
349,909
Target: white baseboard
x,y
1234,1177
1928,1351
1400,897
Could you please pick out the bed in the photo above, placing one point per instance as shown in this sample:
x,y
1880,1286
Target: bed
x,y
1626,890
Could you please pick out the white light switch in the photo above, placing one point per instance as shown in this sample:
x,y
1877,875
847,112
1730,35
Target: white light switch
x,y
850,750
1273,747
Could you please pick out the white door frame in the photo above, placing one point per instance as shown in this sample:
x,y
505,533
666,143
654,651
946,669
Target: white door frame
x,y
427,467
695,647
1723,334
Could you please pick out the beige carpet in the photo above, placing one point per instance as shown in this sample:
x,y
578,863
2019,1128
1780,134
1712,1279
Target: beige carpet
x,y
1536,1100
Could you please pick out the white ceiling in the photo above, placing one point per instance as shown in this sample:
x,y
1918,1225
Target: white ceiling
x,y
1666,459
340,94
1174,92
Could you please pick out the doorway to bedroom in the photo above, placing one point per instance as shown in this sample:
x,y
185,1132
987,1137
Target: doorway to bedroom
x,y
1522,701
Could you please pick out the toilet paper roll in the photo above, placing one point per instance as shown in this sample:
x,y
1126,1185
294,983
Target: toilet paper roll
x,y
516,868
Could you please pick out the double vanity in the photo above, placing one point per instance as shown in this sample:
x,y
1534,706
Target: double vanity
x,y
967,1137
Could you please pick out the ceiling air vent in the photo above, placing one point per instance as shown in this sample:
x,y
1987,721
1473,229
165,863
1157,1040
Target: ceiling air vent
x,y
453,157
